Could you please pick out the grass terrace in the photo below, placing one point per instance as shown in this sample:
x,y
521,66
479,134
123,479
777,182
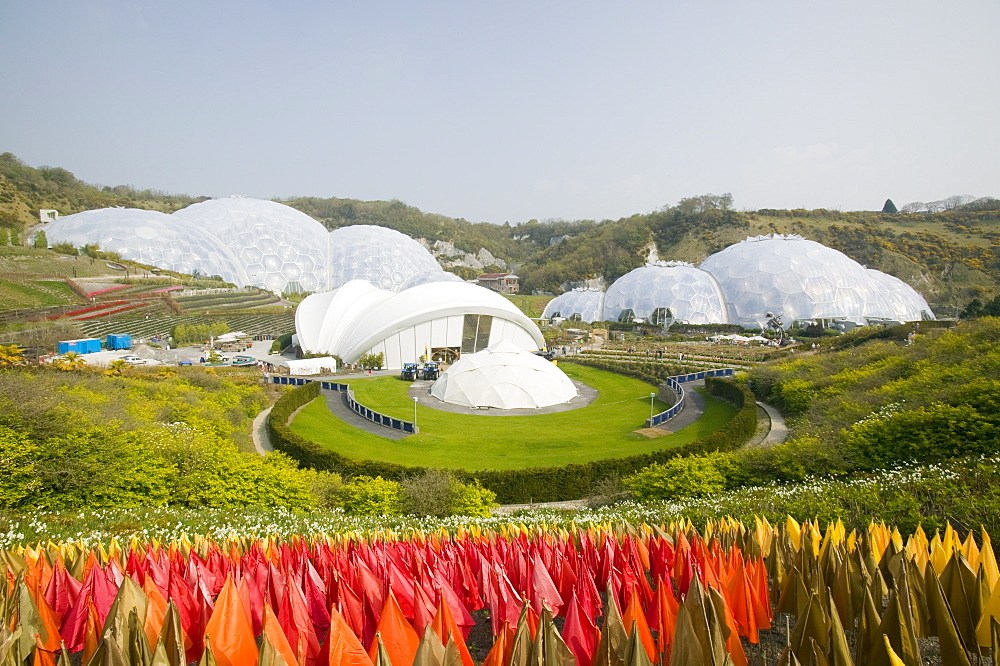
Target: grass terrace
x,y
603,429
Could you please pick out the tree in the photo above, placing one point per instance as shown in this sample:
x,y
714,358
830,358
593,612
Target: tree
x,y
889,207
3,236
41,241
372,361
71,361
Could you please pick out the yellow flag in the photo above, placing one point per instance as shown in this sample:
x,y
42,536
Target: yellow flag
x,y
894,659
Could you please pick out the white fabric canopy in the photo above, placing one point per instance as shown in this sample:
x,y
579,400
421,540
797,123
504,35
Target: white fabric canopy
x,y
503,376
312,366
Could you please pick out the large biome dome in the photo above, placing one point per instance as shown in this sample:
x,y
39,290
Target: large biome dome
x,y
384,257
152,238
281,249
576,305
664,291
504,376
793,277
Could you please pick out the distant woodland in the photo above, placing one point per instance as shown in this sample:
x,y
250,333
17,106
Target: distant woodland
x,y
948,250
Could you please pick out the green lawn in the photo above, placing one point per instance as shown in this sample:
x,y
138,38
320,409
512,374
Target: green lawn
x,y
603,429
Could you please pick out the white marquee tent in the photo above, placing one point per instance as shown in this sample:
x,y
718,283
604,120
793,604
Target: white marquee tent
x,y
504,376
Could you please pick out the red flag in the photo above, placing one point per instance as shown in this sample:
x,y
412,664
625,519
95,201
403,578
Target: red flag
x,y
580,633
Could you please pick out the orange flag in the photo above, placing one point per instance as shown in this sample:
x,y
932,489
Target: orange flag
x,y
91,632
275,635
444,625
229,629
503,646
634,614
398,637
156,610
343,645
667,607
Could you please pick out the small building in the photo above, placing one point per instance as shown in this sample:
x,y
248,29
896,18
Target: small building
x,y
504,283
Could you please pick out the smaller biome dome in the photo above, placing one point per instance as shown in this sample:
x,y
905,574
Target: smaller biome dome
x,y
577,305
503,376
382,256
665,291
902,302
280,248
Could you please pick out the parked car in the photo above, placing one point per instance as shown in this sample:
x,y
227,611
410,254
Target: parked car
x,y
132,359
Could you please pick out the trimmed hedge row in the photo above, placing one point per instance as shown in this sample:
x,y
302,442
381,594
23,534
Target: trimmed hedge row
x,y
515,486
648,371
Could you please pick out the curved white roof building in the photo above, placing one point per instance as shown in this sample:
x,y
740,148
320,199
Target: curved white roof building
x,y
281,249
441,319
901,302
796,278
504,376
576,305
384,257
427,277
150,237
649,292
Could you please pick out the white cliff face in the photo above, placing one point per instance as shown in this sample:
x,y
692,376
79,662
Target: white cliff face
x,y
448,255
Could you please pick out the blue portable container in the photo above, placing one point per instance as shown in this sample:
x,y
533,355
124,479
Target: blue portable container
x,y
119,341
81,346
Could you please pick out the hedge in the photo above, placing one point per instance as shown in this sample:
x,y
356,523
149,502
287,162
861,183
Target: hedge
x,y
515,486
650,371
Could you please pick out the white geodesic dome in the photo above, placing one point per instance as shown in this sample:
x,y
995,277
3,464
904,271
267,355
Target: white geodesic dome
x,y
280,248
152,238
504,376
901,302
689,293
384,257
576,305
793,277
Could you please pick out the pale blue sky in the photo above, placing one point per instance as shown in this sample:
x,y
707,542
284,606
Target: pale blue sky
x,y
497,111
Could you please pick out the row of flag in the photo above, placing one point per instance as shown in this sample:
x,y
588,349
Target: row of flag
x,y
586,595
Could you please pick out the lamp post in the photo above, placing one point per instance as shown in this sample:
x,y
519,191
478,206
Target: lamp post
x,y
414,414
651,397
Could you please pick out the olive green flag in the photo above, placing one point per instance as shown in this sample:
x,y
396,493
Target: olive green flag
x,y
942,620
430,652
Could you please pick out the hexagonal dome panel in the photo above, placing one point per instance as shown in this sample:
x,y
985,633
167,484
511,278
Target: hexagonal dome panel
x,y
902,302
691,294
794,277
268,235
382,256
576,305
150,237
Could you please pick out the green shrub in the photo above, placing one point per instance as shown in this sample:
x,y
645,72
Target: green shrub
x,y
367,496
926,434
688,476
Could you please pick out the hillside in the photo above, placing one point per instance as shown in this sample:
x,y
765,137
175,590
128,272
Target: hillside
x,y
950,256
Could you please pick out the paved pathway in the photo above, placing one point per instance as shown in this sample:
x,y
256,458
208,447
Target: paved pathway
x,y
261,437
336,402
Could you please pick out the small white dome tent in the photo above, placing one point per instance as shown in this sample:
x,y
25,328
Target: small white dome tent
x,y
504,376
